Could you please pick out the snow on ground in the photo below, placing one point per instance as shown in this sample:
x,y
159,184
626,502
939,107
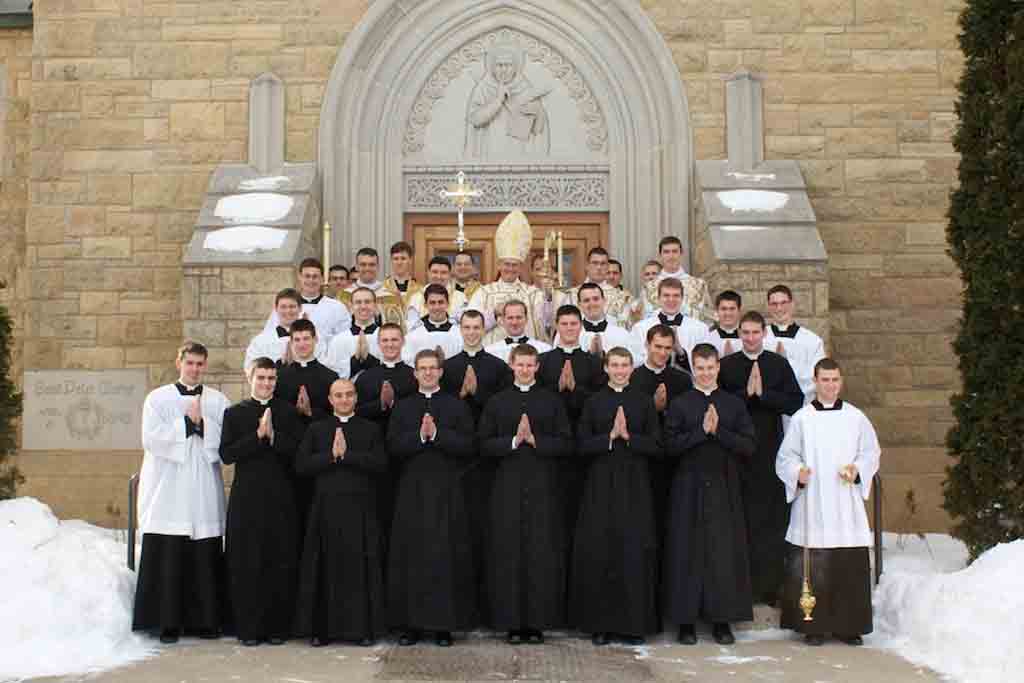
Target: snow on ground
x,y
254,207
967,623
67,603
245,239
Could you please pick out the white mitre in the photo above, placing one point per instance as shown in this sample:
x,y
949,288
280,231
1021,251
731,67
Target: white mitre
x,y
514,237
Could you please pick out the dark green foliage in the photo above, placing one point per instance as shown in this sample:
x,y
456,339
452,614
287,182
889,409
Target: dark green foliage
x,y
10,409
984,489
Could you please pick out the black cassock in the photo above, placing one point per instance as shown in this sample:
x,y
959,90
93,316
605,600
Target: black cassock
x,y
492,375
588,370
431,581
706,568
764,496
368,386
527,556
662,470
317,378
341,588
614,584
262,540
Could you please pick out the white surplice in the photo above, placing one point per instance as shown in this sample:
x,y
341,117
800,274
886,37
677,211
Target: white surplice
x,y
343,347
181,492
330,317
825,441
270,344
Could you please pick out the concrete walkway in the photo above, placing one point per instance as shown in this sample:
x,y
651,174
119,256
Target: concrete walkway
x,y
485,658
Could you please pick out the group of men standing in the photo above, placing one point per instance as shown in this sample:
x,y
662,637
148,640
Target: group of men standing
x,y
430,459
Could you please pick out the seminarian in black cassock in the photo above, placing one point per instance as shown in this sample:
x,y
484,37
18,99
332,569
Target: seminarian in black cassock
x,y
371,405
491,375
262,542
614,587
431,583
527,556
304,370
588,377
341,589
706,567
764,497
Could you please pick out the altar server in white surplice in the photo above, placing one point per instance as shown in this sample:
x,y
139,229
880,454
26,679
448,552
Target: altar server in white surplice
x,y
275,343
801,347
827,461
599,334
181,505
436,329
356,349
514,324
329,315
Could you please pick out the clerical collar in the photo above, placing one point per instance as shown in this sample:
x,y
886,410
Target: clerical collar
x,y
460,288
672,321
344,418
282,332
569,349
706,392
390,364
186,390
818,405
599,326
369,329
525,387
617,390
429,394
517,340
734,333
314,300
753,356
305,363
431,326
471,352
261,401
788,332
656,371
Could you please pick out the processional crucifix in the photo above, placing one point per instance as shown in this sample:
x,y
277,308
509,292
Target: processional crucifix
x,y
460,194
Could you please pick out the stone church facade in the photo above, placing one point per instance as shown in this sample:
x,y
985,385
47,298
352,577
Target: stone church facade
x,y
126,121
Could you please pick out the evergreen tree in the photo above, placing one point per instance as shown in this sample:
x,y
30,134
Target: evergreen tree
x,y
984,489
10,409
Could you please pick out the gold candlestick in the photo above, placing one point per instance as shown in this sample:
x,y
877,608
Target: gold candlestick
x,y
807,599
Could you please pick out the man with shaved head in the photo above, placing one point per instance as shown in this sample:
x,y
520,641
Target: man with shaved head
x,y
341,588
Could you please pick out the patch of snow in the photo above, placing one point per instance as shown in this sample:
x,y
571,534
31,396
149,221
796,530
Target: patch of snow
x,y
275,182
751,177
759,201
962,622
743,228
733,659
255,207
245,239
69,607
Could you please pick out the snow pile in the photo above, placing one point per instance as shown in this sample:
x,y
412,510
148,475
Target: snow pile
x,y
245,239
964,623
67,603
257,207
275,182
761,201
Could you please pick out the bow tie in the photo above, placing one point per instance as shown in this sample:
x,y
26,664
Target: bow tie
x,y
674,321
312,301
281,332
185,391
595,327
431,327
516,340
727,335
369,329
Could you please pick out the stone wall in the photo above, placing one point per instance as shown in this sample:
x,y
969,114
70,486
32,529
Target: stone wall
x,y
133,104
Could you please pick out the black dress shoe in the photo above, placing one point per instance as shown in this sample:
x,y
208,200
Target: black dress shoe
x,y
631,640
814,639
251,642
688,634
444,639
209,634
316,641
514,638
854,641
409,638
722,634
168,636
535,637
275,641
599,639
367,642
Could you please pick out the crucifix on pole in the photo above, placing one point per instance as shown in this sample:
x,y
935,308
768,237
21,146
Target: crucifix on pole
x,y
460,194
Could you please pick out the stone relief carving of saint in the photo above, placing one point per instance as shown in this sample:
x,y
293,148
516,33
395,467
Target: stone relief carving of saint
x,y
505,117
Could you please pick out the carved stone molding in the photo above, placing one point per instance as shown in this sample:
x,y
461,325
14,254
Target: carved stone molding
x,y
473,52
503,191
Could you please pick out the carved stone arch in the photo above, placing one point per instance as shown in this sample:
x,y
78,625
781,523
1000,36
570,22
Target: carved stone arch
x,y
387,61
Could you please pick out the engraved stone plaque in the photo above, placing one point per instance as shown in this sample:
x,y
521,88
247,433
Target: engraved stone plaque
x,y
83,410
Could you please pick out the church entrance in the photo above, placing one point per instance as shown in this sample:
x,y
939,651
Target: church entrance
x,y
433,234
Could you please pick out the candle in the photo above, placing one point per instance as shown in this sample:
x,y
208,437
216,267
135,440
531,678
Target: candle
x,y
561,278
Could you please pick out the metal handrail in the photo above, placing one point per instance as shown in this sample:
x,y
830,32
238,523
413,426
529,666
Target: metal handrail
x,y
133,495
